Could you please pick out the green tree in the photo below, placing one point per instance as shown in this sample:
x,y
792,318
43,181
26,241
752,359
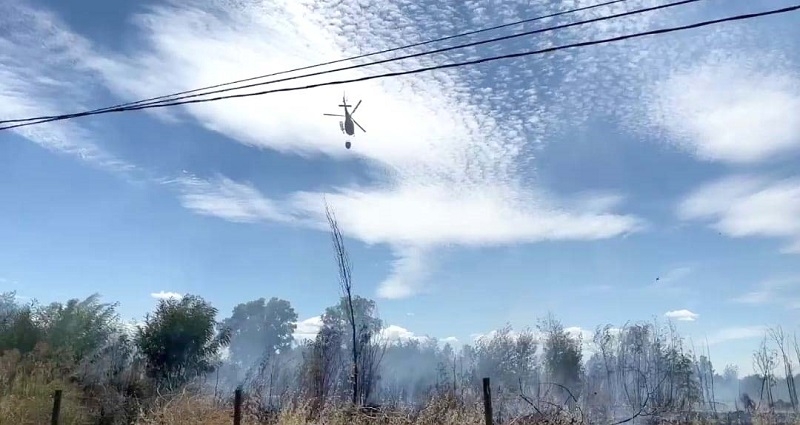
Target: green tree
x,y
260,328
180,340
18,327
562,356
365,313
80,328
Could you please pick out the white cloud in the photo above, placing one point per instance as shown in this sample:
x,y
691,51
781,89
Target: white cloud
x,y
165,295
408,271
433,139
395,333
682,315
308,328
395,218
743,110
470,216
577,332
736,333
745,205
450,340
42,73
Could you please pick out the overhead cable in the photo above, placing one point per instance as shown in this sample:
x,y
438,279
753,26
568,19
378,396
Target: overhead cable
x,y
365,55
171,98
444,66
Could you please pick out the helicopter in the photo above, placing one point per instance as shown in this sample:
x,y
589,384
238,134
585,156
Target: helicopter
x,y
347,125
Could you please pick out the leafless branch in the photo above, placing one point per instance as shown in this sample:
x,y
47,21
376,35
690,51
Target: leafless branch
x,y
346,285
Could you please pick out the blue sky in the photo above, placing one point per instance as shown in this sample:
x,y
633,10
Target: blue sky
x,y
479,196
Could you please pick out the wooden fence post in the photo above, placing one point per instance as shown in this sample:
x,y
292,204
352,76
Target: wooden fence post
x,y
487,401
237,406
56,407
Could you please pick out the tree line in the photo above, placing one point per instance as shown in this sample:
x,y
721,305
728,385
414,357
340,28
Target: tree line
x,y
637,370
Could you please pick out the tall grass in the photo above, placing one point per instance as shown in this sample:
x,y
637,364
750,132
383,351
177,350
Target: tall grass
x,y
27,384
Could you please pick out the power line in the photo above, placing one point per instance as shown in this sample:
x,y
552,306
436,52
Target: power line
x,y
365,55
44,119
445,66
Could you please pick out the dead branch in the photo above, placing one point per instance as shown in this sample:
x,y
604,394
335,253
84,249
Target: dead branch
x,y
346,285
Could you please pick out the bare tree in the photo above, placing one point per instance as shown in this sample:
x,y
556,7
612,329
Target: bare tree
x,y
764,363
346,286
796,348
711,378
371,352
321,365
780,340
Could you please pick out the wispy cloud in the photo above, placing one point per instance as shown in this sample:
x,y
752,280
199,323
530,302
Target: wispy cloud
x,y
736,333
672,282
747,206
732,109
42,73
227,199
8,282
675,274
166,295
780,291
682,315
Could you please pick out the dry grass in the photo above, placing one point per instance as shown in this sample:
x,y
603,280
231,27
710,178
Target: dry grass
x,y
27,384
26,392
188,409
